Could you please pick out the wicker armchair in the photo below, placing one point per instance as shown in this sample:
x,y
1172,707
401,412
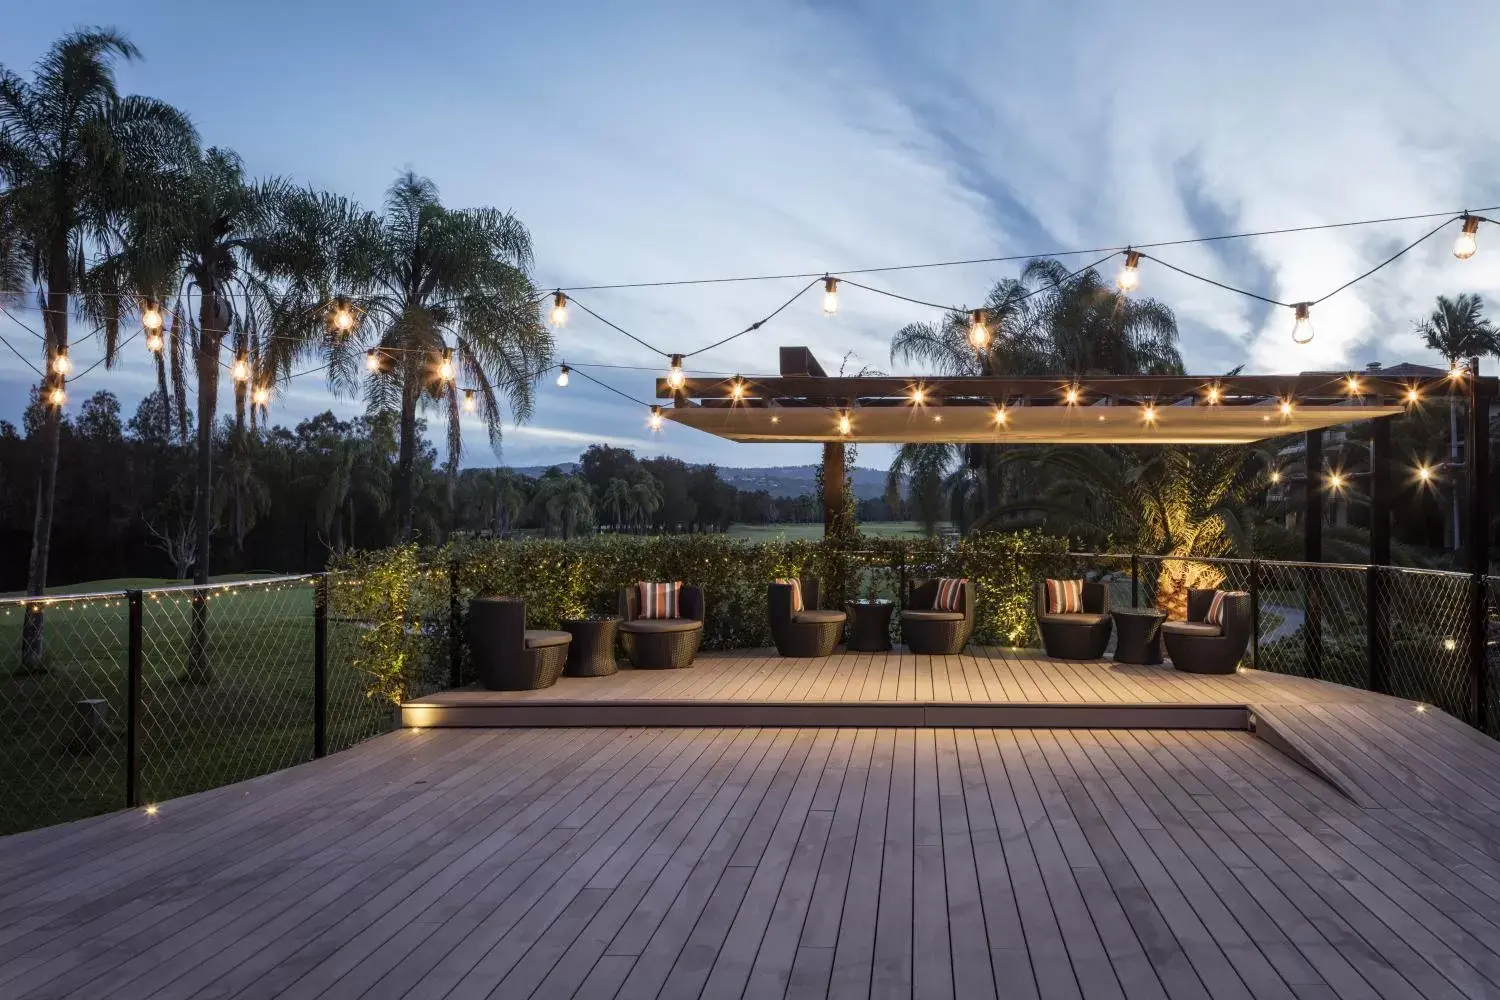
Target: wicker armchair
x,y
1200,647
507,655
809,632
662,643
1079,636
939,633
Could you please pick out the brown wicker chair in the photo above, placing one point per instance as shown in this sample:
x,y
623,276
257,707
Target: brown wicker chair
x,y
1080,636
662,643
810,632
939,633
1198,647
507,655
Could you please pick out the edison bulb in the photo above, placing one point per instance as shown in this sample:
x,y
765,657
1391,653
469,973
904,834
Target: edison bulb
x,y
845,424
372,360
979,334
1302,329
562,377
445,366
1468,240
1129,278
151,317
655,421
830,296
262,395
154,342
471,404
559,309
58,396
343,318
60,363
241,369
676,378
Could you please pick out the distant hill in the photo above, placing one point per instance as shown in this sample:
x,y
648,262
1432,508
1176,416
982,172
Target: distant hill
x,y
779,481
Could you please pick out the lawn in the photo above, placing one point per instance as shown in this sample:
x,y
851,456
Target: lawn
x,y
252,716
814,531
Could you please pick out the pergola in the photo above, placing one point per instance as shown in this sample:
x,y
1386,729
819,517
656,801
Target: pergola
x,y
804,404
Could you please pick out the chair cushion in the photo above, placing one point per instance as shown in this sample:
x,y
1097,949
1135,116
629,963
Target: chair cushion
x,y
819,617
536,637
950,594
661,625
1064,597
659,600
1080,619
1191,628
932,616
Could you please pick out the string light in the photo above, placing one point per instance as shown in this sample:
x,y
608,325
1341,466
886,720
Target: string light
x,y
151,317
1286,407
261,396
830,295
1468,240
445,366
151,810
979,334
1424,473
1001,416
845,424
471,403
1148,413
1352,385
1213,395
1071,396
655,421
1129,278
562,377
1275,476
1455,370
341,318
1336,480
1413,395
1302,329
918,396
559,308
58,396
241,369
675,376
372,360
737,389
154,341
61,365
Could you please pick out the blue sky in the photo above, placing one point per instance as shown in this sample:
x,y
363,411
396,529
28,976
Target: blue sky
x,y
656,141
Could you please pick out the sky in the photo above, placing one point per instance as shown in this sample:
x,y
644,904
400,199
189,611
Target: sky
x,y
663,141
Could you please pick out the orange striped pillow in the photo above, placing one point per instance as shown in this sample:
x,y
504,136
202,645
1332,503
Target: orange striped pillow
x,y
796,586
950,595
1064,597
659,600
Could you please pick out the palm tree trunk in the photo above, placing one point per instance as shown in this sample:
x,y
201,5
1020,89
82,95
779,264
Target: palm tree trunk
x,y
406,459
59,285
209,336
166,396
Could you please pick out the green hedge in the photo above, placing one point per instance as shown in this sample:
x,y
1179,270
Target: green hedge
x,y
402,594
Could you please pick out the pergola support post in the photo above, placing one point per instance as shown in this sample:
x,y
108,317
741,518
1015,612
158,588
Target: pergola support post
x,y
1312,552
1477,459
833,487
1376,627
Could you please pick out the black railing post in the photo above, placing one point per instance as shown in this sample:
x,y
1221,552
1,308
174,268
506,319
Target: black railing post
x,y
134,655
1375,628
1255,612
455,633
1477,458
1135,580
320,665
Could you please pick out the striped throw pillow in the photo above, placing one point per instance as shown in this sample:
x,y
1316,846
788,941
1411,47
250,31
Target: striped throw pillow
x,y
659,600
950,595
796,586
1215,614
1064,597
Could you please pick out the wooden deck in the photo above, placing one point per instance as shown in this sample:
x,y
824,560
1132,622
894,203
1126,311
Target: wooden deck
x,y
1336,844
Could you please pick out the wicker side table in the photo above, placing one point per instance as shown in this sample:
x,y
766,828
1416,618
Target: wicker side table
x,y
1138,635
869,627
592,651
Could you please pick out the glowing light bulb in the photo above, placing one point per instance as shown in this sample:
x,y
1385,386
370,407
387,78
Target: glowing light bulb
x,y
1413,395
471,402
154,342
830,295
1336,480
1455,370
1302,330
445,366
675,376
58,396
151,317
737,389
1129,278
1450,645
1148,413
1424,473
1352,385
151,810
241,369
342,316
1275,477
1213,395
1286,407
60,363
559,308
562,377
261,396
655,421
1001,416
918,396
372,360
979,334
1468,240
1071,396
845,424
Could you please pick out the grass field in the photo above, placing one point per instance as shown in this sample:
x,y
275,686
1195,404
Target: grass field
x,y
252,716
812,532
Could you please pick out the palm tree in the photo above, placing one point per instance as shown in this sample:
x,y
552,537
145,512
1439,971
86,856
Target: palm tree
x,y
435,273
239,490
1092,328
618,501
358,471
73,154
565,504
1458,329
646,494
500,498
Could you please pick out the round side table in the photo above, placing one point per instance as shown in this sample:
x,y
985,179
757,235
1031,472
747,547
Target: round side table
x,y
869,626
1138,635
592,651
